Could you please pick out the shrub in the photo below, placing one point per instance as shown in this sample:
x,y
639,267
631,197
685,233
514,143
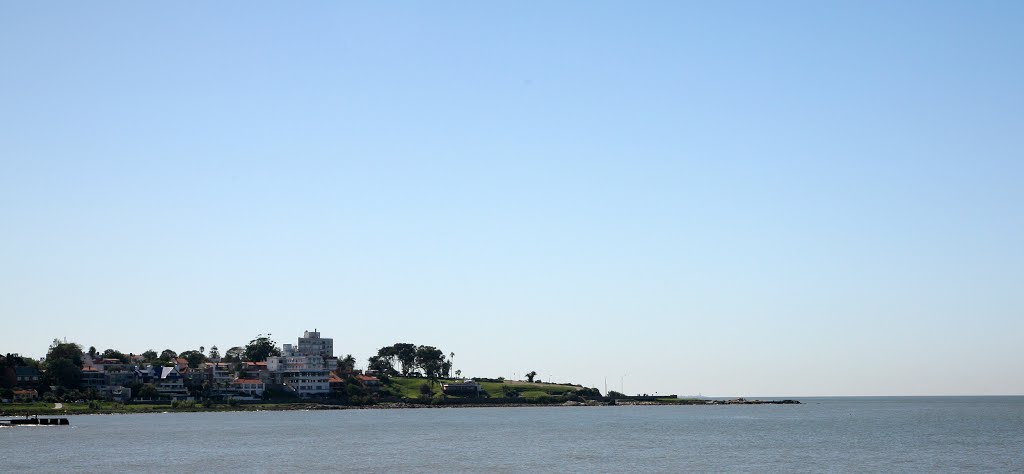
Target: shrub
x,y
589,392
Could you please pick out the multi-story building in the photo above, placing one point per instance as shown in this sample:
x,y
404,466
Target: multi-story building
x,y
27,376
304,369
312,344
169,382
93,378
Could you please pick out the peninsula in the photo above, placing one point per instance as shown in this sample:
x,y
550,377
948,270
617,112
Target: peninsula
x,y
264,376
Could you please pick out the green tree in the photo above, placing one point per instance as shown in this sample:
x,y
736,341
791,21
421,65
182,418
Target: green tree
x,y
194,358
167,355
406,355
388,355
149,391
115,354
353,390
381,365
65,350
214,353
234,354
530,375
260,348
150,356
62,373
431,360
348,363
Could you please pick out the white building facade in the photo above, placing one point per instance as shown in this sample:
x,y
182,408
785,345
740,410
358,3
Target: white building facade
x,y
304,369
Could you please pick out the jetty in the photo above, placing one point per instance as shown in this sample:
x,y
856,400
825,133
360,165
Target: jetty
x,y
35,420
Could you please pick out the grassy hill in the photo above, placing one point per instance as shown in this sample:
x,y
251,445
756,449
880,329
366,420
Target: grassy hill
x,y
410,387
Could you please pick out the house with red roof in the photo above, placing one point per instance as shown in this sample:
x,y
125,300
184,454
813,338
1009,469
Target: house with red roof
x,y
29,395
370,382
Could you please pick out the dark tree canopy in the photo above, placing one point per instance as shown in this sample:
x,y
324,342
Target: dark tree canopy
x,y
257,350
387,358
530,375
214,353
194,358
63,373
65,350
234,354
150,355
149,391
406,355
381,365
167,355
348,363
428,359
12,360
589,392
115,354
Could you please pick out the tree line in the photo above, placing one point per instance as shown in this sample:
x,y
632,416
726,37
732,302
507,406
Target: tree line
x,y
407,360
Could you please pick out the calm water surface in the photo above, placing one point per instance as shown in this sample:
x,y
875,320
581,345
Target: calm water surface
x,y
825,434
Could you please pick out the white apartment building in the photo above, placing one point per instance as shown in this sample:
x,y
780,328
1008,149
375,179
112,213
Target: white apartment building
x,y
304,369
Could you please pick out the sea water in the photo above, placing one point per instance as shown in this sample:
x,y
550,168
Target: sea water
x,y
911,434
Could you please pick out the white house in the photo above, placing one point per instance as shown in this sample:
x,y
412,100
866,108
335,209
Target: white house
x,y
248,387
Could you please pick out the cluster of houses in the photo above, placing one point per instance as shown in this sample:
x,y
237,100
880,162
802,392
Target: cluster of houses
x,y
306,369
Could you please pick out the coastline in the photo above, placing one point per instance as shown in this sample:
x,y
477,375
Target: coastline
x,y
75,409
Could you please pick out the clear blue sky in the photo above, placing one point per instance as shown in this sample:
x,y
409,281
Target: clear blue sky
x,y
743,198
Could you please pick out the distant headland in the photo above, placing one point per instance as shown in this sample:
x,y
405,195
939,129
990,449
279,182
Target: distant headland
x,y
264,376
